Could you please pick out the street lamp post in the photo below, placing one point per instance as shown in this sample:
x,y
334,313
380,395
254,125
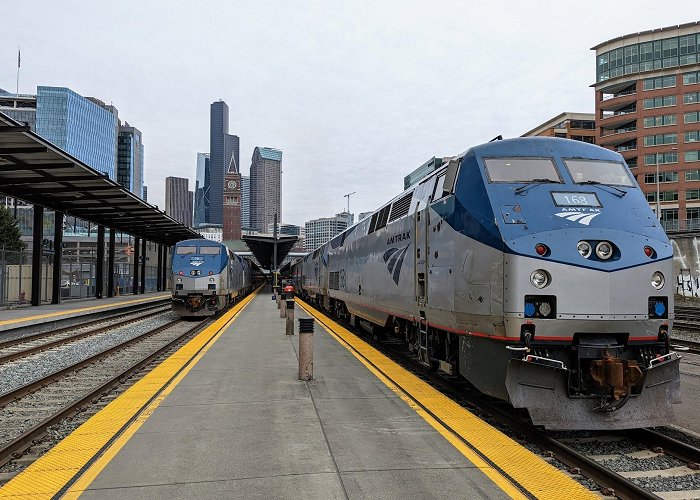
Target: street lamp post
x,y
658,188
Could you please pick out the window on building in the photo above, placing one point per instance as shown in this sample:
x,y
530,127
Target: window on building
x,y
692,194
663,177
692,175
692,136
651,159
690,78
657,140
691,156
668,196
691,98
661,82
659,121
660,102
651,197
669,218
693,216
692,117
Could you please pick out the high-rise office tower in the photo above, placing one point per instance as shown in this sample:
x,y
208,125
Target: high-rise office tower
x,y
245,201
223,151
80,126
265,187
130,159
201,190
177,200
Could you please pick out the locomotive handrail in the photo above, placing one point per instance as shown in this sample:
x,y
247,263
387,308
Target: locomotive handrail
x,y
663,359
544,361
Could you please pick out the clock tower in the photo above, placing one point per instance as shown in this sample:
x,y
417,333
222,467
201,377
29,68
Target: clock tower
x,y
232,206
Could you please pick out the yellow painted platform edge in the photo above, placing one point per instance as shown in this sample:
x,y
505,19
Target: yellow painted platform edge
x,y
452,437
181,367
82,309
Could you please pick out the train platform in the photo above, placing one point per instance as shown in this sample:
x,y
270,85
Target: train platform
x,y
11,319
226,417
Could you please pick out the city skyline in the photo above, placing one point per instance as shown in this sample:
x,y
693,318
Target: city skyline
x,y
359,98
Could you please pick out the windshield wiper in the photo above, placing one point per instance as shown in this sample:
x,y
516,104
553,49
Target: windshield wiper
x,y
620,192
534,182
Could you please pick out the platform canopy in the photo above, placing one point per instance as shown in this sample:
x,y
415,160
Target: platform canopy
x,y
34,170
263,248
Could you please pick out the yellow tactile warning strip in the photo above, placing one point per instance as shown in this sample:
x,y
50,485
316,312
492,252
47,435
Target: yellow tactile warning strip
x,y
512,467
90,447
71,312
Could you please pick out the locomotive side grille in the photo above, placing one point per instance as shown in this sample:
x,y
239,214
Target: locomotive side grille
x,y
400,207
334,280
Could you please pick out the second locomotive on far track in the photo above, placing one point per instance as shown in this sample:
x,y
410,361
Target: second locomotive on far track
x,y
534,268
207,277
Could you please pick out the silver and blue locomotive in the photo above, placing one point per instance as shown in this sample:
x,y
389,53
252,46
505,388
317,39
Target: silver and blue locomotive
x,y
533,267
207,277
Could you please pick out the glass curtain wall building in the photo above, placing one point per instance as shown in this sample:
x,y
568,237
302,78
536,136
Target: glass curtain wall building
x,y
265,187
201,190
79,126
130,159
245,202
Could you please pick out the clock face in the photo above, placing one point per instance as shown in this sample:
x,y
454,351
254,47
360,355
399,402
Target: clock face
x,y
232,184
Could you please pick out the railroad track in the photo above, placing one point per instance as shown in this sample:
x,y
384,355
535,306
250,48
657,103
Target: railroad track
x,y
27,345
27,411
572,451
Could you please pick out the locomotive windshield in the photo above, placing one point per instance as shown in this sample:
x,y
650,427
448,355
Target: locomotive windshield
x,y
210,250
521,170
185,250
596,171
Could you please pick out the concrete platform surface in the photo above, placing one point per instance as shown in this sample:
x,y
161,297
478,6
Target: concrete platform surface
x,y
29,316
240,425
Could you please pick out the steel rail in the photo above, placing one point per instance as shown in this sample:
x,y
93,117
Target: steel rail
x,y
46,380
621,486
26,439
49,333
67,340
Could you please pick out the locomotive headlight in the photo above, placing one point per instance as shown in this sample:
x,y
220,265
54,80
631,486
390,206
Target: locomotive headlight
x,y
584,248
540,278
179,280
604,250
657,280
211,280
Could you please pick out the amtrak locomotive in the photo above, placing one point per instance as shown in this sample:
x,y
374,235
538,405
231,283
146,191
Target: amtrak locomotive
x,y
207,277
534,268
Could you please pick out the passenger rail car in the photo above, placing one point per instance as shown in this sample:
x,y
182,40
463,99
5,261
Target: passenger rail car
x,y
207,277
533,267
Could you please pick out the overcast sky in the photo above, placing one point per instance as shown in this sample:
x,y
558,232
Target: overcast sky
x,y
357,94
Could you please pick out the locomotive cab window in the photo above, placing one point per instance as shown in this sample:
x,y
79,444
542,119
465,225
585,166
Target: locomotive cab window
x,y
521,170
210,250
185,250
599,172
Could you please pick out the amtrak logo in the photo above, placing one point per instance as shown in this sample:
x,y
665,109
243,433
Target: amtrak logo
x,y
196,263
394,260
580,217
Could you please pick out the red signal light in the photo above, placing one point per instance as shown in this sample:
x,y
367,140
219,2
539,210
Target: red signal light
x,y
541,249
181,273
648,251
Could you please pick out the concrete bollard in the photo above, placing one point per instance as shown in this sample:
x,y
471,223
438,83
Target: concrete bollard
x,y
290,317
306,348
283,308
279,298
